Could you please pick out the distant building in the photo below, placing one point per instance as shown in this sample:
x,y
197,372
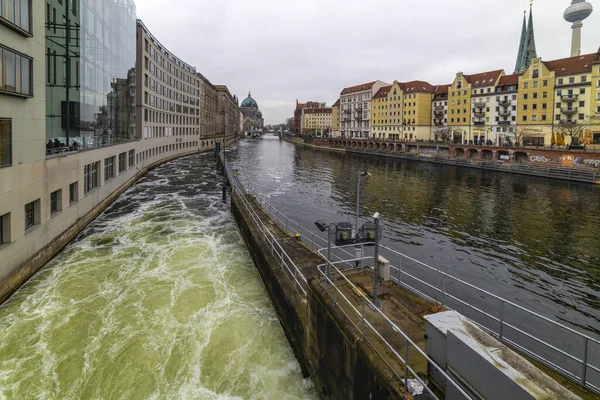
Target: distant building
x,y
253,119
298,114
317,122
335,119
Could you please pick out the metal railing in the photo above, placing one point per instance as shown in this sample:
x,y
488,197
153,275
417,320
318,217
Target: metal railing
x,y
511,323
357,316
541,338
290,269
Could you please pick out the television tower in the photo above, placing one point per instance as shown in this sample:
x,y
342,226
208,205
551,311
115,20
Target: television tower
x,y
576,13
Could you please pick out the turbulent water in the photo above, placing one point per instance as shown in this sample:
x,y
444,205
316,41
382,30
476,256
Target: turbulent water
x,y
157,298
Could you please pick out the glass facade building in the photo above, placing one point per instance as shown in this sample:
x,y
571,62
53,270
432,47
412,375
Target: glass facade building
x,y
90,82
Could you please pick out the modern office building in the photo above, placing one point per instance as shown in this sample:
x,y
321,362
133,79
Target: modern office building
x,y
86,107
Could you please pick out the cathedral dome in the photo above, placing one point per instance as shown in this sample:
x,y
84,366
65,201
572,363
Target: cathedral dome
x,y
249,102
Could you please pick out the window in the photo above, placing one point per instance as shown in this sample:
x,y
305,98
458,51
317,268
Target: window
x,y
525,85
582,91
16,13
32,214
536,73
572,79
109,168
534,106
534,117
524,117
581,116
15,72
131,158
544,95
582,104
122,162
5,141
90,176
5,229
533,141
525,107
545,82
56,201
525,96
73,192
560,81
535,84
544,117
535,95
584,78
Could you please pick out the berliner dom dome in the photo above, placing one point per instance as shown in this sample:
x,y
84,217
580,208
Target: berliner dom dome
x,y
249,102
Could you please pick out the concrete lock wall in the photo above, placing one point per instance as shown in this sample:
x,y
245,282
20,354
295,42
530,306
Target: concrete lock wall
x,y
329,351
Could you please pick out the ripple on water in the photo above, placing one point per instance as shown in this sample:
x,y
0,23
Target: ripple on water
x,y
160,300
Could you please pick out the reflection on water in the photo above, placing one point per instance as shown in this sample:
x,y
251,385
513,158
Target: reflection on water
x,y
158,298
527,239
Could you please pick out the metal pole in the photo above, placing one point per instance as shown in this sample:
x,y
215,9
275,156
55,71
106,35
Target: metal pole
x,y
363,317
585,358
501,319
328,269
376,264
406,364
357,204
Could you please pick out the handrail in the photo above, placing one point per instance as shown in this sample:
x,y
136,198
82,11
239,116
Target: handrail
x,y
407,340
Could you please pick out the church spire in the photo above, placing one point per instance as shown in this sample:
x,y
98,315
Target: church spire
x,y
249,94
527,44
521,43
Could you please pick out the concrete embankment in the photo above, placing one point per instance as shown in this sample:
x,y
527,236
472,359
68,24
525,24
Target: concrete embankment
x,y
36,261
552,171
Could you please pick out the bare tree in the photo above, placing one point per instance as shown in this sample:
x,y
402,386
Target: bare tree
x,y
572,129
519,134
443,134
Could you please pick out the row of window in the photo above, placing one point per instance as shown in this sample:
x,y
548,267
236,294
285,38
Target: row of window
x,y
15,72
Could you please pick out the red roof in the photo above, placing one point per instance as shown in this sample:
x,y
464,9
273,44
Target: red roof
x,y
300,105
358,88
506,80
418,86
441,89
382,92
483,79
337,103
572,65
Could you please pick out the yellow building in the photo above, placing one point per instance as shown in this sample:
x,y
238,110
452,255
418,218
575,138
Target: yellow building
x,y
595,123
335,119
387,112
574,93
536,105
379,113
416,112
317,121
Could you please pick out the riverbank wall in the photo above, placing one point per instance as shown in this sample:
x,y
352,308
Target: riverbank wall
x,y
531,162
328,347
65,225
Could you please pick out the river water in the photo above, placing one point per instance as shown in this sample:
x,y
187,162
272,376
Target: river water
x,y
157,298
532,241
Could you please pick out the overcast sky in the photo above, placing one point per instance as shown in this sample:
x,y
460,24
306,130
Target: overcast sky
x,y
285,50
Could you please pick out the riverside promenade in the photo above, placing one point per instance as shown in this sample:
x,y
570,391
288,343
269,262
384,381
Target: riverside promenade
x,y
584,166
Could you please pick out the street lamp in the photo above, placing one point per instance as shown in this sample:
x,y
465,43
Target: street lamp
x,y
343,233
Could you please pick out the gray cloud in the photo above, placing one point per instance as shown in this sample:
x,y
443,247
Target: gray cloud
x,y
312,49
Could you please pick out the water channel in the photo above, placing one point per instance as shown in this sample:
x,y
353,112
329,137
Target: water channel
x,y
530,240
157,298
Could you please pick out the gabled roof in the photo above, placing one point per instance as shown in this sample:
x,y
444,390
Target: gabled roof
x,y
358,88
512,79
337,103
572,65
484,78
382,92
418,86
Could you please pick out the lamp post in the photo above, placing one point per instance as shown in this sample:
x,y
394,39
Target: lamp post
x,y
376,265
324,227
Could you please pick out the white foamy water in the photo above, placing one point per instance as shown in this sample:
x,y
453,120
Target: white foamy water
x,y
158,298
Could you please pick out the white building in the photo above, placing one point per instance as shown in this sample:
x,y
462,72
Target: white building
x,y
505,109
355,109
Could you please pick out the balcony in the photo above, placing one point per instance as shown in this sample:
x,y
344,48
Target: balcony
x,y
479,114
439,108
505,103
479,123
568,110
503,122
504,113
479,104
567,122
439,112
569,97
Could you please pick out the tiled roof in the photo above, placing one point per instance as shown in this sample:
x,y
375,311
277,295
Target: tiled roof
x,y
572,65
441,89
382,92
317,110
418,86
506,80
337,103
358,88
483,79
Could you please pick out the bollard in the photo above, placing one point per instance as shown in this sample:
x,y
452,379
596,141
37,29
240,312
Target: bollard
x,y
298,238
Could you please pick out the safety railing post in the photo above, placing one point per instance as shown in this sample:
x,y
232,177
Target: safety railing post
x,y
585,359
406,365
443,289
363,318
335,286
501,319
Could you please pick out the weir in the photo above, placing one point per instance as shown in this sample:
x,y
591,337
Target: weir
x,y
352,349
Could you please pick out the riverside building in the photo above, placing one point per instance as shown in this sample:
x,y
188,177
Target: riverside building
x,y
85,108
